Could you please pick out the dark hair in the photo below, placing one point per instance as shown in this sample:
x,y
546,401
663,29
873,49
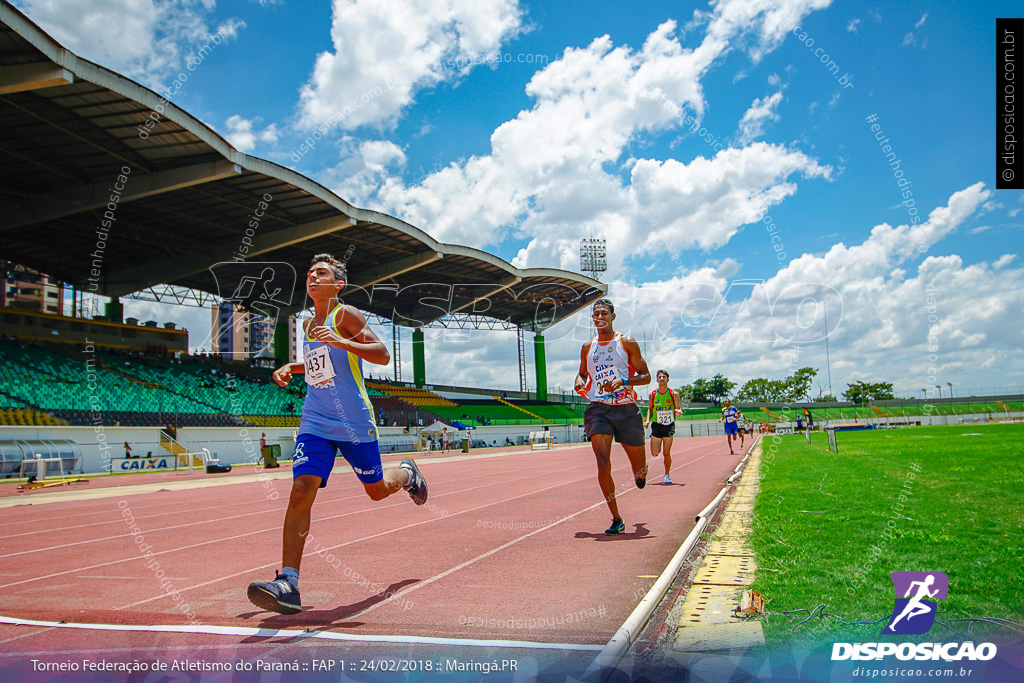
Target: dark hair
x,y
661,371
604,302
340,271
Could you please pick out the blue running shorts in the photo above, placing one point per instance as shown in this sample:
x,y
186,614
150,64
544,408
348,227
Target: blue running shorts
x,y
315,455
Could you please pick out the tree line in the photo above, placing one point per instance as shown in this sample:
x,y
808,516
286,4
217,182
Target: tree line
x,y
796,388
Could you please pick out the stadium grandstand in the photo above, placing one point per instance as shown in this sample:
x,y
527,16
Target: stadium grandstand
x,y
172,232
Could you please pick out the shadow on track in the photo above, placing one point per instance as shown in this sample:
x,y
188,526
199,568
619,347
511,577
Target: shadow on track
x,y
640,531
320,618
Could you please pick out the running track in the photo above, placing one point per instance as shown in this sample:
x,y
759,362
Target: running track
x,y
508,545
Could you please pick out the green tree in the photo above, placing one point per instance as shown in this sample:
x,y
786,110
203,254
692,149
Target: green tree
x,y
685,393
798,385
706,390
823,396
720,387
792,389
761,390
864,393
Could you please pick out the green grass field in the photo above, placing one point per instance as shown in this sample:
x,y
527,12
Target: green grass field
x,y
826,530
863,413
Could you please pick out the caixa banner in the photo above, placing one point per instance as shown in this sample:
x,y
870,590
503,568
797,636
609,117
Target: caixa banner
x,y
158,464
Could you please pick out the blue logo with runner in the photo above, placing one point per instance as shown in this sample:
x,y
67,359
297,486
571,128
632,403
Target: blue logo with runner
x,y
916,593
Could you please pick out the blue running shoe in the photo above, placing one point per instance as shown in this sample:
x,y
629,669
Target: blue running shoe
x,y
278,595
616,528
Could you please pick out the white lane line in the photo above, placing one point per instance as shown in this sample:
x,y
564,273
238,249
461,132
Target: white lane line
x,y
23,635
251,533
364,538
457,567
101,493
217,580
129,490
465,564
251,513
287,633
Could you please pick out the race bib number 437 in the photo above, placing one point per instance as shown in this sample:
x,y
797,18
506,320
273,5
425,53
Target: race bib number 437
x,y
318,364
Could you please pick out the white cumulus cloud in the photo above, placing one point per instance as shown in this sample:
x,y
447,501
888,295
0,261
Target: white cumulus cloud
x,y
761,112
384,51
147,40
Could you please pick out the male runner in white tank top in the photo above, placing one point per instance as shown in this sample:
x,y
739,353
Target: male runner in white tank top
x,y
604,378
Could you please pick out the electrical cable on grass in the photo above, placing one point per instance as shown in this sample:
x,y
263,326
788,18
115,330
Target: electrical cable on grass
x,y
997,621
1005,623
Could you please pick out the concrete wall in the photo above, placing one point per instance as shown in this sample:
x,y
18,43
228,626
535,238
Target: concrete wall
x,y
227,443
98,444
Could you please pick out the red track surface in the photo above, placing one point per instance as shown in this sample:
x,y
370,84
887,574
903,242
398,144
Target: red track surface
x,y
502,541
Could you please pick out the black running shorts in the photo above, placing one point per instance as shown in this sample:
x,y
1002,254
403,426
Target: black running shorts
x,y
660,431
621,421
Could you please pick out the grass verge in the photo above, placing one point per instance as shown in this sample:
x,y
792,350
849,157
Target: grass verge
x,y
830,528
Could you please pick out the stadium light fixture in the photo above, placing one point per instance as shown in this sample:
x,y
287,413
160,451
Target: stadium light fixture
x,y
593,257
940,390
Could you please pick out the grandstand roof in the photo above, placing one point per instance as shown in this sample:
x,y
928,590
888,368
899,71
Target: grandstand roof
x,y
71,126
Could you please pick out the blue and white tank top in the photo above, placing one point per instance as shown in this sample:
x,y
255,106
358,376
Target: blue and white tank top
x,y
605,362
337,406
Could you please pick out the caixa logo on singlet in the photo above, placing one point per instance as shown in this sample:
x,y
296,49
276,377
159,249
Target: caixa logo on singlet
x,y
914,614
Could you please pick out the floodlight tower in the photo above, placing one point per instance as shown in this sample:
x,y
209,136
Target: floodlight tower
x,y
593,256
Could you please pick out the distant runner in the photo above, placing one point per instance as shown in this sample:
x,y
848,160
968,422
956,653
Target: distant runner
x,y
729,415
662,410
604,378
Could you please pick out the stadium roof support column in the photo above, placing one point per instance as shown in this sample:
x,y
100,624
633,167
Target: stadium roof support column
x,y
396,346
521,345
115,310
282,345
542,370
419,365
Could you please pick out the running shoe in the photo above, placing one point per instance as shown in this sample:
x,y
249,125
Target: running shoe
x,y
640,483
668,479
417,485
278,595
616,528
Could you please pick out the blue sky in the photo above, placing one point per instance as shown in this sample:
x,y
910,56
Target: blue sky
x,y
586,130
